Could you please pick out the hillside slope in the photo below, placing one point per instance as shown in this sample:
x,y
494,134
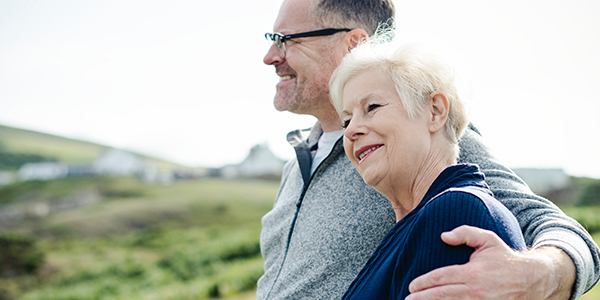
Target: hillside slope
x,y
22,141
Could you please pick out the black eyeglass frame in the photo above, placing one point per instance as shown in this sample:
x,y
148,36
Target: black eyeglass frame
x,y
279,39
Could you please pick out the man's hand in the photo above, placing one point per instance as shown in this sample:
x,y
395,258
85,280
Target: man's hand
x,y
495,271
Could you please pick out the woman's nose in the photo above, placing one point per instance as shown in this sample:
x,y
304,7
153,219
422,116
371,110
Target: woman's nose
x,y
355,129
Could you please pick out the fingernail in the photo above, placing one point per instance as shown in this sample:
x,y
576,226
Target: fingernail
x,y
449,234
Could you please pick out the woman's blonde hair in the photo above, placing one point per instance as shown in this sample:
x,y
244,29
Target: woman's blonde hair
x,y
415,75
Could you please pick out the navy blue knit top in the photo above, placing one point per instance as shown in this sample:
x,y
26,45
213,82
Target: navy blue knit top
x,y
459,196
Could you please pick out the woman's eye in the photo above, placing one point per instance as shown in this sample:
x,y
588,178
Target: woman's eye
x,y
345,123
373,106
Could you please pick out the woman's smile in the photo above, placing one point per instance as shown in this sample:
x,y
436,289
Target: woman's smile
x,y
366,151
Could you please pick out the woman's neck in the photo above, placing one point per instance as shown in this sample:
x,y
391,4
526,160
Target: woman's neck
x,y
407,194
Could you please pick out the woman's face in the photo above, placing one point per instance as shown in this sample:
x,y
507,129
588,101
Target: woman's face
x,y
386,147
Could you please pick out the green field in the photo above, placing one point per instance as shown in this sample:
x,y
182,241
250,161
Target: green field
x,y
190,240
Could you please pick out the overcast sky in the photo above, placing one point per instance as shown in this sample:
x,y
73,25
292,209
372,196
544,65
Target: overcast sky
x,y
184,80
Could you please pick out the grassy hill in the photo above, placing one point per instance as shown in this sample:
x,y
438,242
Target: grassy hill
x,y
191,240
28,144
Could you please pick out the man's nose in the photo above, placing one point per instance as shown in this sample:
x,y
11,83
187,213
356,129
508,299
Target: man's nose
x,y
272,58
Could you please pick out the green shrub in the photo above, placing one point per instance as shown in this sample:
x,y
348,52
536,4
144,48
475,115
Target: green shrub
x,y
241,251
202,261
8,290
19,256
587,216
187,265
591,194
238,276
120,270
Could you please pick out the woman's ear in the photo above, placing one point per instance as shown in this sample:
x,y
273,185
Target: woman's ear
x,y
438,109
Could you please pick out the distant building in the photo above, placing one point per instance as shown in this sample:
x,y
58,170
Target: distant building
x,y
43,171
80,170
228,171
112,162
150,174
542,181
260,162
115,162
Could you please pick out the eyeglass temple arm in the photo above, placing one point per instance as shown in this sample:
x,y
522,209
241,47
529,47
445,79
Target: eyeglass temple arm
x,y
321,32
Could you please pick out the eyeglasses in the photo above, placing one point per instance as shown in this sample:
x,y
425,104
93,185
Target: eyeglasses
x,y
279,39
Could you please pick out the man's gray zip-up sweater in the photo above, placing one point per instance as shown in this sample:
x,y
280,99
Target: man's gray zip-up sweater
x,y
323,228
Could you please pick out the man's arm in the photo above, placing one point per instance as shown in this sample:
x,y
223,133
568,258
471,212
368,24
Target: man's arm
x,y
544,226
542,273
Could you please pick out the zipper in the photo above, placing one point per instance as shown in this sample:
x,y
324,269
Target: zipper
x,y
298,205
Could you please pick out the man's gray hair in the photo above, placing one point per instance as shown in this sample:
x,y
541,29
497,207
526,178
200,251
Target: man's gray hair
x,y
365,14
415,74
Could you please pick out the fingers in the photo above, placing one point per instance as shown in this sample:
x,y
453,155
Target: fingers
x,y
471,236
453,282
448,292
445,276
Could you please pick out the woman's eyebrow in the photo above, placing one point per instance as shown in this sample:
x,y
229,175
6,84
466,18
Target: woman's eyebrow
x,y
362,101
366,98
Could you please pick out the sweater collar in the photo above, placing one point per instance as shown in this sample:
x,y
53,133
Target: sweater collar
x,y
308,137
457,176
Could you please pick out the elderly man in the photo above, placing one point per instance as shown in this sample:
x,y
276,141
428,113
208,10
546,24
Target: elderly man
x,y
326,221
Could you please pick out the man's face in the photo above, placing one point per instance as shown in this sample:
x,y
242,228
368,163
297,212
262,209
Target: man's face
x,y
308,64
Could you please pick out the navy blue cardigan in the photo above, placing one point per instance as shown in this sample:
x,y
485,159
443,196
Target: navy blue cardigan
x,y
459,196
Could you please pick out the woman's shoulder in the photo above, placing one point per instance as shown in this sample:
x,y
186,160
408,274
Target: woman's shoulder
x,y
465,197
461,198
473,206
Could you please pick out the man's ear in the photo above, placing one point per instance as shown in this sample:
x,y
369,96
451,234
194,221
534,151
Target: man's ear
x,y
351,40
356,36
438,111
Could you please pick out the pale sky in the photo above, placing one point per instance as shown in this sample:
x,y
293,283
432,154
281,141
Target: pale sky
x,y
184,80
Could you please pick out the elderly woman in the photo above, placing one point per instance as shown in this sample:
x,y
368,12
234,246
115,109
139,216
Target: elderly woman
x,y
403,118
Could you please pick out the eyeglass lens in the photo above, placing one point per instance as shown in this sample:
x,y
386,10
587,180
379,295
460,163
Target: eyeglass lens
x,y
279,44
278,41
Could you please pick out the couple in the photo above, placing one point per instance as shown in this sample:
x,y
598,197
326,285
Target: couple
x,y
326,223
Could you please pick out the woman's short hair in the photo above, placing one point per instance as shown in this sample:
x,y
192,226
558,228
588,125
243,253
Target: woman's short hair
x,y
414,73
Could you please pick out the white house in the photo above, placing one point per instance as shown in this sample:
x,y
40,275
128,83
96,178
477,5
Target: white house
x,y
261,162
115,162
112,162
43,171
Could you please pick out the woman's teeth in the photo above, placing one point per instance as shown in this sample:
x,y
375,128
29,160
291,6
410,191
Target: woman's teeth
x,y
362,155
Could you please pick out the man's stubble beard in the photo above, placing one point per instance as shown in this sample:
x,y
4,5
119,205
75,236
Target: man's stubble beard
x,y
304,98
